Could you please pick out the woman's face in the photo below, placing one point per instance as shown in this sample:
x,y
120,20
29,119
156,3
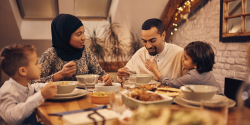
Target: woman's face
x,y
77,38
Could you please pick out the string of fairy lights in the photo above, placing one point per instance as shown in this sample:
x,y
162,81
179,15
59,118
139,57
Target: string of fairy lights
x,y
186,6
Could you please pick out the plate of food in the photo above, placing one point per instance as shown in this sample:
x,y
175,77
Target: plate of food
x,y
169,91
149,87
149,115
136,97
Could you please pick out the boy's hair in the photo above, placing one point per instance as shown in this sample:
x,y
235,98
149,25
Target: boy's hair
x,y
15,56
148,24
202,54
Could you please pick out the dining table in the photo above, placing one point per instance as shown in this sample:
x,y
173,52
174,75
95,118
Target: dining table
x,y
52,106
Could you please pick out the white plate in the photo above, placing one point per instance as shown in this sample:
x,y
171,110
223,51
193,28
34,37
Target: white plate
x,y
215,99
178,100
82,93
75,92
81,85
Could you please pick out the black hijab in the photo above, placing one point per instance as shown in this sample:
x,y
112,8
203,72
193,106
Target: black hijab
x,y
62,27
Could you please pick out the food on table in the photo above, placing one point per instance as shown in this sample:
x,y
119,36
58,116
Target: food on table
x,y
100,94
143,95
149,115
148,86
63,83
169,91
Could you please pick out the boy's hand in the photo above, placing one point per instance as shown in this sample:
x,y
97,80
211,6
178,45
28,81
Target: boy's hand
x,y
49,90
151,66
68,69
107,79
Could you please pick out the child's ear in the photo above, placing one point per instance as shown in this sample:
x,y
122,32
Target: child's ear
x,y
195,66
22,71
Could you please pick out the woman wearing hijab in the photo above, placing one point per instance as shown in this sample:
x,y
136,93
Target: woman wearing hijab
x,y
68,52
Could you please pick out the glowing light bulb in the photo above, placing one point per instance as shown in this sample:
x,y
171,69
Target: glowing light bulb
x,y
172,33
175,29
175,18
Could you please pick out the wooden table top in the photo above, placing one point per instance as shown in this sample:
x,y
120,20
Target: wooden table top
x,y
85,102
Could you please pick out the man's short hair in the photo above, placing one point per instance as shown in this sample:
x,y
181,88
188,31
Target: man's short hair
x,y
202,54
15,56
148,24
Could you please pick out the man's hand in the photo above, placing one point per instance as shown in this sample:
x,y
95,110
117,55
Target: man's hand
x,y
122,72
151,66
49,90
107,79
68,69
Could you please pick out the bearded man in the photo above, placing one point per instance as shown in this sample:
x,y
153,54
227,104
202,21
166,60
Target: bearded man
x,y
168,56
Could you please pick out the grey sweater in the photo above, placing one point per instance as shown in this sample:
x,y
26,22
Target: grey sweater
x,y
192,78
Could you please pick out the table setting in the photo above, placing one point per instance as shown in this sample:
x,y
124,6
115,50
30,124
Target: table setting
x,y
122,102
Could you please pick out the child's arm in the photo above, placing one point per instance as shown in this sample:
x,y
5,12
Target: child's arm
x,y
152,66
14,112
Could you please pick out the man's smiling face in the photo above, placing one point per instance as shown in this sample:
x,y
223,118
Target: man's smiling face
x,y
153,41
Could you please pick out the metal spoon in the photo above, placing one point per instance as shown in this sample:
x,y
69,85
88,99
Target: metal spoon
x,y
82,70
190,89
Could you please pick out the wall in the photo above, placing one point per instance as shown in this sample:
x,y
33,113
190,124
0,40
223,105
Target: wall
x,y
204,26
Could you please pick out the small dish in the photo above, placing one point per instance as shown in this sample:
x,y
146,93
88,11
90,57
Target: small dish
x,y
100,99
116,87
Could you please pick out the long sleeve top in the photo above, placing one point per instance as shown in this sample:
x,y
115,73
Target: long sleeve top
x,y
193,77
18,102
51,63
168,61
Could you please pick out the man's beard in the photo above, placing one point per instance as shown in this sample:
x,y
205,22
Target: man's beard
x,y
152,53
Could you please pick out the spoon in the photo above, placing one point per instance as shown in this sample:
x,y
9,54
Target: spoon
x,y
82,70
190,89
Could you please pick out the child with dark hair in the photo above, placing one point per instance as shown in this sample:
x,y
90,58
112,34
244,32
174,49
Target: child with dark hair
x,y
18,99
199,60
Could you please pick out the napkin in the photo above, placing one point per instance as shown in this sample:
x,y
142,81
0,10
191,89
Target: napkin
x,y
95,117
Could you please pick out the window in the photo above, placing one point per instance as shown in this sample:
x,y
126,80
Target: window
x,y
98,9
235,20
38,9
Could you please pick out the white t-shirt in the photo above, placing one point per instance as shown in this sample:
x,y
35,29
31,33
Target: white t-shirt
x,y
168,61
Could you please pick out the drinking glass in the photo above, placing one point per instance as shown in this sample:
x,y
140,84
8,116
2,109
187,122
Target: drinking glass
x,y
90,84
218,111
116,103
129,82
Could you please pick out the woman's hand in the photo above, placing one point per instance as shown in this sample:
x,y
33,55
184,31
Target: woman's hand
x,y
151,66
68,70
107,79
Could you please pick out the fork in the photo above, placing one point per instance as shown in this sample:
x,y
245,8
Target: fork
x,y
82,70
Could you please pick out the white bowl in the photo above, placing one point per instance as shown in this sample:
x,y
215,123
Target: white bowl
x,y
63,89
100,87
143,78
91,77
201,92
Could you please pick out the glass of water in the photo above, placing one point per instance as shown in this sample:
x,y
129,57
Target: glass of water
x,y
129,82
90,84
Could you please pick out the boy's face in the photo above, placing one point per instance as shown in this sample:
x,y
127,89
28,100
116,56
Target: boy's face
x,y
34,68
187,62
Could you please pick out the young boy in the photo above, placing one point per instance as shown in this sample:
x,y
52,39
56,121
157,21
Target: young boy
x,y
18,98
